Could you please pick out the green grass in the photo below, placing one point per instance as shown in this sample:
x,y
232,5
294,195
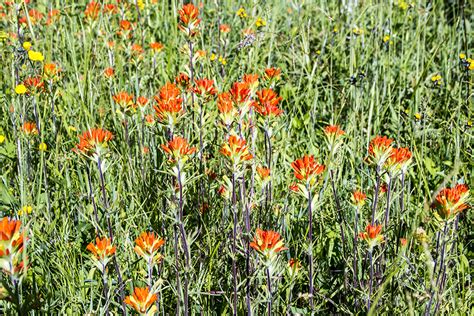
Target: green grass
x,y
314,44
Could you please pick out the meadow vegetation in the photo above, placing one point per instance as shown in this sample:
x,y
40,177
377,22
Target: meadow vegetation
x,y
236,157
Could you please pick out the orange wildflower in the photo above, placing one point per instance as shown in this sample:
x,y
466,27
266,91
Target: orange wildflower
x,y
189,22
142,101
50,71
399,159
358,198
267,104
379,149
93,141
251,80
110,8
306,168
53,16
227,112
178,149
272,73
11,239
123,99
169,103
333,137
34,15
92,10
34,84
137,49
372,235
240,93
182,80
29,128
125,25
333,131
102,251
147,245
205,88
149,120
11,246
450,201
294,187
263,173
224,28
142,301
267,243
236,150
109,72
294,266
156,47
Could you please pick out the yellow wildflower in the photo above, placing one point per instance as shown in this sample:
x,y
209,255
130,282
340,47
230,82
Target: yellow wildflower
x,y
27,209
20,89
2,139
436,79
260,22
42,147
27,45
386,38
222,60
462,56
358,31
471,64
35,56
241,13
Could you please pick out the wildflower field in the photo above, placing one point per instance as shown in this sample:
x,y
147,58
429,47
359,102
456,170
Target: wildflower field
x,y
251,157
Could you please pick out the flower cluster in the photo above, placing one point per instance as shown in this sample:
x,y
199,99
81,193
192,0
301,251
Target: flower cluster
x,y
142,301
236,150
372,235
102,251
12,240
189,20
169,104
94,142
268,244
147,246
450,201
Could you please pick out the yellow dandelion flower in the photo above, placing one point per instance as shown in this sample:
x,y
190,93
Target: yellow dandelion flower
x,y
42,147
2,139
418,116
386,38
462,56
35,56
26,45
20,89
